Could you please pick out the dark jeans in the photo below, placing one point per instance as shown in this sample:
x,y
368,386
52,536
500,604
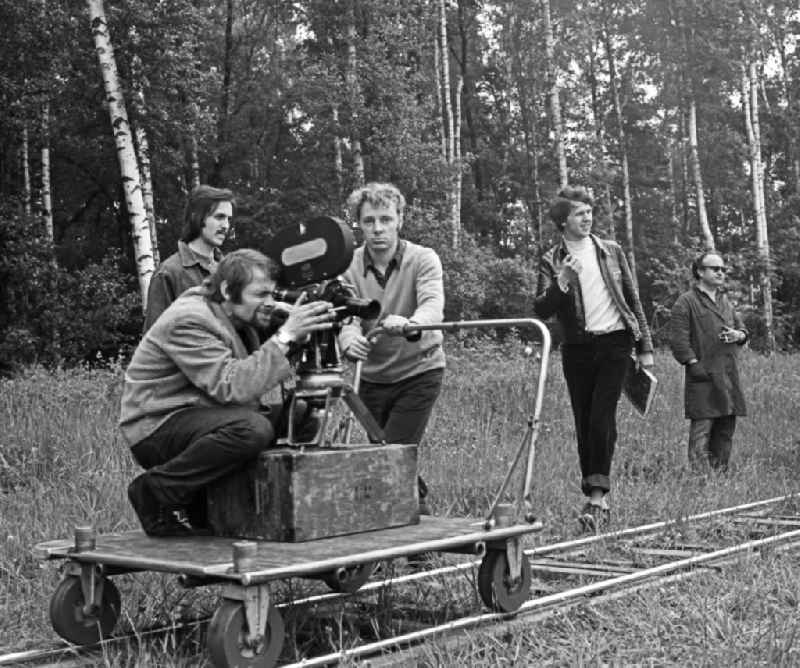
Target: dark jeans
x,y
710,441
595,373
197,446
403,409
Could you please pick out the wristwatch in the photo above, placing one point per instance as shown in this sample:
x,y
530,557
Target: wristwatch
x,y
283,338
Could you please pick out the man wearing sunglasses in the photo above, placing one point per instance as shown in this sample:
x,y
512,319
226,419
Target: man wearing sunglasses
x,y
705,334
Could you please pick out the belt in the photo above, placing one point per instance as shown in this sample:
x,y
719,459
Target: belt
x,y
600,335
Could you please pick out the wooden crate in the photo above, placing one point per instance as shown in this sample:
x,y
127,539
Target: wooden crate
x,y
293,495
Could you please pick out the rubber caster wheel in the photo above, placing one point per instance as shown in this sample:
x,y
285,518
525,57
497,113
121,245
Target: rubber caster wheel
x,y
350,579
227,638
497,590
73,622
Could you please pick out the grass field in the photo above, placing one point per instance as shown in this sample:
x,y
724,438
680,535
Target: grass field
x,y
62,462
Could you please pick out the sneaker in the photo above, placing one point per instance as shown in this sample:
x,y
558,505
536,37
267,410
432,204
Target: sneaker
x,y
593,517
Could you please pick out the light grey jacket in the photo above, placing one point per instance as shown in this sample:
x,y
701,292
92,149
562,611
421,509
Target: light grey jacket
x,y
192,356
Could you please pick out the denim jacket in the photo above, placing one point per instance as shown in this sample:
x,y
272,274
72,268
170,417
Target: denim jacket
x,y
568,306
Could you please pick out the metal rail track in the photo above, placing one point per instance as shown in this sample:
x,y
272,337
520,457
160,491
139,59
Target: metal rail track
x,y
614,580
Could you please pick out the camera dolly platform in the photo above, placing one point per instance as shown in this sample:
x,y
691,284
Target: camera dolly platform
x,y
317,508
247,628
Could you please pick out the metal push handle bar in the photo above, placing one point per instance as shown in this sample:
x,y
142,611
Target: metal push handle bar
x,y
532,431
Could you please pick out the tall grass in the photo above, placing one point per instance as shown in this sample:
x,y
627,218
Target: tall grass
x,y
62,463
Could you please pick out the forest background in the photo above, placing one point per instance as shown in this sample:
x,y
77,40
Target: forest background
x,y
680,115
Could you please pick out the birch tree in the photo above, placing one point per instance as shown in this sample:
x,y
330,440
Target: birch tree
x,y
142,146
129,169
555,93
697,173
753,129
338,161
527,94
623,147
47,199
26,171
452,124
353,90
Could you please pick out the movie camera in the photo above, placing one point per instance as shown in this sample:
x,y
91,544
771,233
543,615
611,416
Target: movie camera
x,y
312,255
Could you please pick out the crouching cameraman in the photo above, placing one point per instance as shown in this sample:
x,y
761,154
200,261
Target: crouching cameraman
x,y
190,403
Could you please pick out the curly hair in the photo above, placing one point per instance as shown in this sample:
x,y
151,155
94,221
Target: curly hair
x,y
377,194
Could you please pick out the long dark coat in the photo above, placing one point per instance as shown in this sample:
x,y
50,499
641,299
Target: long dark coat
x,y
694,333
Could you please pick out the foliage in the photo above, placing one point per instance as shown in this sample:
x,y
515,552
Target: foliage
x,y
55,316
276,107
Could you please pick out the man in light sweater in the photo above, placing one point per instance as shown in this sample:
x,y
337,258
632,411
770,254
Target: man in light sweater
x,y
586,283
401,376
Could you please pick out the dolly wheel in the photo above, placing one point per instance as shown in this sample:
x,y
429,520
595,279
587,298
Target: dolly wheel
x,y
350,579
497,590
228,644
74,621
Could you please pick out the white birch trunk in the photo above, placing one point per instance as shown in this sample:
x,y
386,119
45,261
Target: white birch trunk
x,y
673,191
458,177
129,169
194,161
47,199
338,163
623,148
143,153
26,172
702,214
555,93
447,107
351,78
194,157
452,124
439,98
753,126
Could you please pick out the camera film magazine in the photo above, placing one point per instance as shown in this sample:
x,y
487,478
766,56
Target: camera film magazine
x,y
640,388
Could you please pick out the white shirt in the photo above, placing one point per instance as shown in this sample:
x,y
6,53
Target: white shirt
x,y
600,312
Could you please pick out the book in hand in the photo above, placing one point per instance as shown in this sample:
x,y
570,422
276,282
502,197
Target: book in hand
x,y
640,388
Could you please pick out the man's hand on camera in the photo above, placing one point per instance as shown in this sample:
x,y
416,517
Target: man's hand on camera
x,y
358,350
306,318
394,324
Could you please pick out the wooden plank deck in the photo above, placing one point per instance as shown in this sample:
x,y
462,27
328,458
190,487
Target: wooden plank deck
x,y
210,556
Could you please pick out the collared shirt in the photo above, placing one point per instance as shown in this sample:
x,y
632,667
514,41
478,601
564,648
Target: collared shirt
x,y
189,257
394,263
182,270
